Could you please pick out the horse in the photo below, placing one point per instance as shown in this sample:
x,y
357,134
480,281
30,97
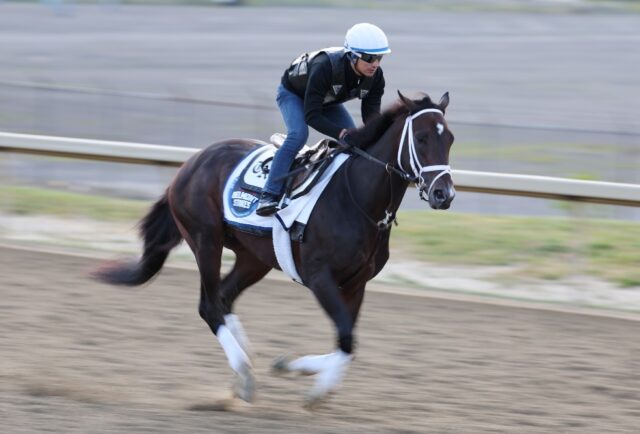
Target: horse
x,y
346,240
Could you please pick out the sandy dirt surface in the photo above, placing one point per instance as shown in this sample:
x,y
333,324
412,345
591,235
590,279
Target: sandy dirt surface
x,y
81,357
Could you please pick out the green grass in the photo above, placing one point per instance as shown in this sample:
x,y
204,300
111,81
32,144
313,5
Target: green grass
x,y
541,247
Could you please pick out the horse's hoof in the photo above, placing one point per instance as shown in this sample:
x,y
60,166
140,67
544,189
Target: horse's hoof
x,y
245,384
280,365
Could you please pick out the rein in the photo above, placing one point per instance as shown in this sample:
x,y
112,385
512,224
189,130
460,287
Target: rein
x,y
389,217
388,167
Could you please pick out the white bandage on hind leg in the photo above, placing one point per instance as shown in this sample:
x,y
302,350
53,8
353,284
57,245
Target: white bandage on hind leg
x,y
235,327
235,354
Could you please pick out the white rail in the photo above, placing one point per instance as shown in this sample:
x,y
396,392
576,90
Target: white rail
x,y
465,180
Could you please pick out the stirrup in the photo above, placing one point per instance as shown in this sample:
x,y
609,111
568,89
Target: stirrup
x,y
268,205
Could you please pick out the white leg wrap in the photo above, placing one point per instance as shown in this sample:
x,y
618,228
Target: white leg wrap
x,y
235,354
235,327
310,364
330,376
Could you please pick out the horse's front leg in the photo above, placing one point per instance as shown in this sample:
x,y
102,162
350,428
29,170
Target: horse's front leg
x,y
330,368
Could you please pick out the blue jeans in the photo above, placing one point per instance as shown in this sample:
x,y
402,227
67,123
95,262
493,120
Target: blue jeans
x,y
292,108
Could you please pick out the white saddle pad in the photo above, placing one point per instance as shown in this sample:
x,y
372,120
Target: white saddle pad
x,y
241,196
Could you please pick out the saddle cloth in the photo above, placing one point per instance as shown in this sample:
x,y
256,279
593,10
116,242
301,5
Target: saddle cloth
x,y
242,193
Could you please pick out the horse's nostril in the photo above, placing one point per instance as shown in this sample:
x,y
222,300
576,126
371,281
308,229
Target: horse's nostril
x,y
439,195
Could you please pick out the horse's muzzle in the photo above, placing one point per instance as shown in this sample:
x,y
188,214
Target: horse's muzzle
x,y
442,196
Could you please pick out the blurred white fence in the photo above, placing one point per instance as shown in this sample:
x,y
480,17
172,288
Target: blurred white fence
x,y
482,182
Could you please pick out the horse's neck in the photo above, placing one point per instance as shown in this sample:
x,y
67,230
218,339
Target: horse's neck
x,y
379,191
386,148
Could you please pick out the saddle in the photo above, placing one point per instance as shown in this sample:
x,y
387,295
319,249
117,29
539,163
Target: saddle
x,y
243,188
310,163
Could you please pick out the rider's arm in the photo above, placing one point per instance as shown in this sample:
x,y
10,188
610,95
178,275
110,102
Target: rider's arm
x,y
371,103
318,85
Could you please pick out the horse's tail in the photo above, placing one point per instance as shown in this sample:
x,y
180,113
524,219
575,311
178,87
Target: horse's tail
x,y
160,233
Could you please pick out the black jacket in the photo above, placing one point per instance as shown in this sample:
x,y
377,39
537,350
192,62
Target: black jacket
x,y
325,77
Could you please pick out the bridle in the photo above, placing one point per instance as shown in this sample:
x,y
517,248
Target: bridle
x,y
417,168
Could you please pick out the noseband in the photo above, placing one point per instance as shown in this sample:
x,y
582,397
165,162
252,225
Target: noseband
x,y
416,167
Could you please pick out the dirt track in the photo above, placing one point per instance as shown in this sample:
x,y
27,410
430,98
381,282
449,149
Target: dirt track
x,y
82,357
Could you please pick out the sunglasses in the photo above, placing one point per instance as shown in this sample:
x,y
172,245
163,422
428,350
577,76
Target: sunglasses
x,y
369,58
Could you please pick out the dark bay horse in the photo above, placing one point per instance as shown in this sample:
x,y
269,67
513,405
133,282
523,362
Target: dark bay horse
x,y
346,239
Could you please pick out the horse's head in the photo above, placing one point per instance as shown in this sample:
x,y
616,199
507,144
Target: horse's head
x,y
424,149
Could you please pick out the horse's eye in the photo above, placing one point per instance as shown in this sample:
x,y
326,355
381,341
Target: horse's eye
x,y
422,138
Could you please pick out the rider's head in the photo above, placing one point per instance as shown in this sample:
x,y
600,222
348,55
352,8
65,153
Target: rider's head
x,y
366,44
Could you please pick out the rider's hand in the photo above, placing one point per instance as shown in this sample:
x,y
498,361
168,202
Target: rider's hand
x,y
348,139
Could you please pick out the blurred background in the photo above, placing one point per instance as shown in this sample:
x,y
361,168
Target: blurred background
x,y
538,87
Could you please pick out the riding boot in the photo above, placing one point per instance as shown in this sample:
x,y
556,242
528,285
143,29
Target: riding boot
x,y
268,204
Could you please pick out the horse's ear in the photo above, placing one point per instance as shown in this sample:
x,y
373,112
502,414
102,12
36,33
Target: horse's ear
x,y
407,102
444,101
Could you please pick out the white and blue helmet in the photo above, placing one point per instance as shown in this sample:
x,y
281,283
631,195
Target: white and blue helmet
x,y
366,38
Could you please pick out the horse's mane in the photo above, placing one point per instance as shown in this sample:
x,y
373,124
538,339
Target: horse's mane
x,y
378,124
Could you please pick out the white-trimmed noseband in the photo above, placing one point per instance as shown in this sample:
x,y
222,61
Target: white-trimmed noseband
x,y
416,167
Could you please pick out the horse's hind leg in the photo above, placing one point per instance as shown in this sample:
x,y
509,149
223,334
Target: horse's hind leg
x,y
246,271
